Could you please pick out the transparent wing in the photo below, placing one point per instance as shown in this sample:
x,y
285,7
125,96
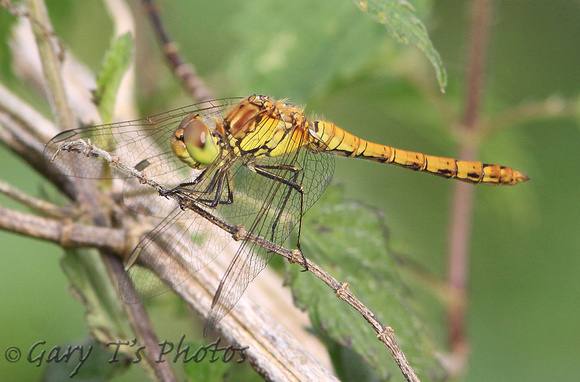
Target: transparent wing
x,y
146,200
185,242
277,208
143,144
132,141
182,244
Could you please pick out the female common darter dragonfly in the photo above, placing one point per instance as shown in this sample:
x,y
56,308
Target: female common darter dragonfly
x,y
255,162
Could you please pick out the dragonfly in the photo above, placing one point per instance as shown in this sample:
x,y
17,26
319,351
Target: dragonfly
x,y
255,162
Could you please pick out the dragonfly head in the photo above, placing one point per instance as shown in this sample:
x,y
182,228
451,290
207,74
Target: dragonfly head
x,y
194,143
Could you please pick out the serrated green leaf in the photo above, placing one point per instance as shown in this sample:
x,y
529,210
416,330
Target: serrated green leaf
x,y
347,239
332,41
115,65
398,16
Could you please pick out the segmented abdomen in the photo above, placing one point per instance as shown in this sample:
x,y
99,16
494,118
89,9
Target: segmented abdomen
x,y
333,139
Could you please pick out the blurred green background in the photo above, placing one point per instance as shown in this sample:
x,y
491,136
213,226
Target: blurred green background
x,y
524,294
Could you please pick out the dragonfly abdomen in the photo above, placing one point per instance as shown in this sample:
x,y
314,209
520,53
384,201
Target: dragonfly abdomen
x,y
335,140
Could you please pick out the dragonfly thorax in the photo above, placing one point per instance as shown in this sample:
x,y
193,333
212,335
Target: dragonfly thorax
x,y
194,143
262,127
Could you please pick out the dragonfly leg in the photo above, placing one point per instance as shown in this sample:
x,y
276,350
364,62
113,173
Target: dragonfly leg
x,y
212,195
292,183
185,187
222,182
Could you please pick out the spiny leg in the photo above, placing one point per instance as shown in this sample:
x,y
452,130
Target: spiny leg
x,y
292,184
215,187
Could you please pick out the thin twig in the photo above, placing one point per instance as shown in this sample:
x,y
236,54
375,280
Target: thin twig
x,y
38,205
141,324
63,232
463,195
25,116
183,70
384,334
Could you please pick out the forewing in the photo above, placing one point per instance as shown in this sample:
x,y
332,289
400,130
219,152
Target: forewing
x,y
131,141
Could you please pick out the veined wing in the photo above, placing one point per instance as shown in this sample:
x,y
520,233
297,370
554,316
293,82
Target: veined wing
x,y
184,242
143,144
269,209
132,141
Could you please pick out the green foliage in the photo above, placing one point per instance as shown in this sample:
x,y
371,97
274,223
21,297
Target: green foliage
x,y
398,16
302,46
214,362
115,65
331,41
347,239
205,370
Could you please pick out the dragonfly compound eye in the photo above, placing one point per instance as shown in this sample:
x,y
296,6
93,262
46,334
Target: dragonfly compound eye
x,y
199,142
193,143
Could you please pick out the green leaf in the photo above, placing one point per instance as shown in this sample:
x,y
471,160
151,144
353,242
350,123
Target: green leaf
x,y
398,16
296,48
348,241
115,65
299,48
